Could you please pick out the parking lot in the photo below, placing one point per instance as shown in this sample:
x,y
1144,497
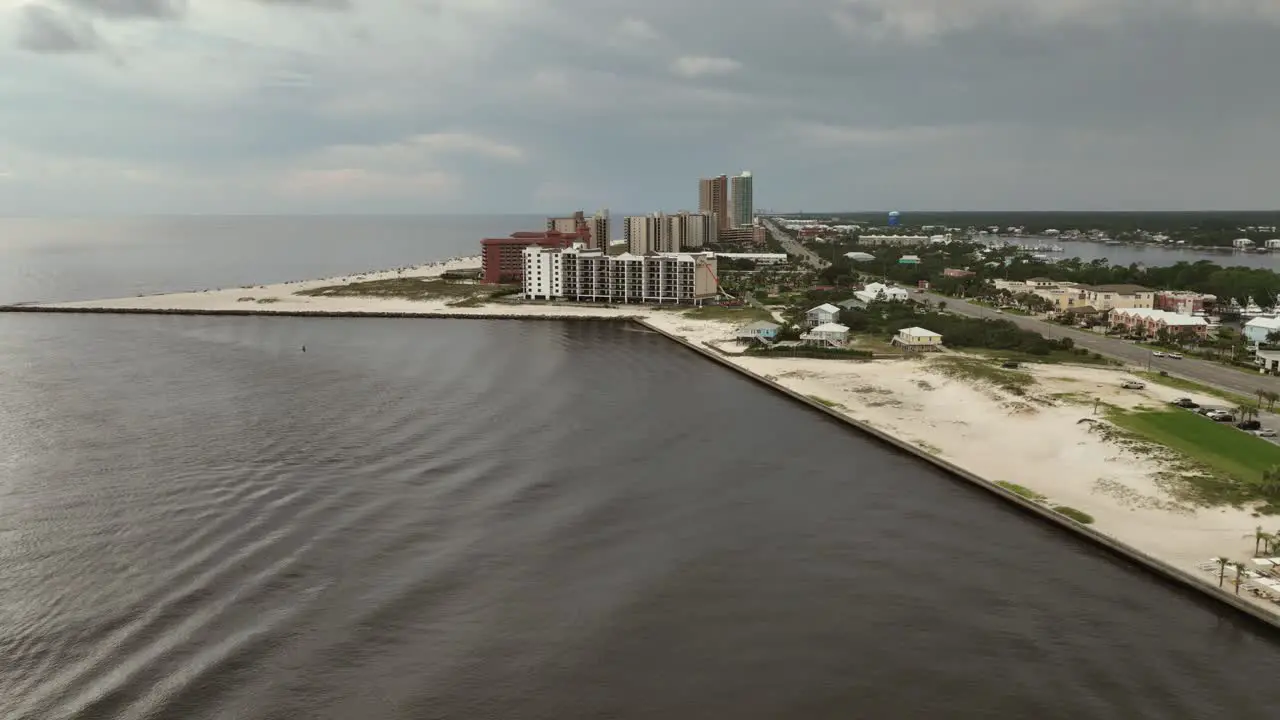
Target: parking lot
x,y
1264,432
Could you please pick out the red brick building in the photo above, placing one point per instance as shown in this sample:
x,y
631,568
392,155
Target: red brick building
x,y
503,259
1186,303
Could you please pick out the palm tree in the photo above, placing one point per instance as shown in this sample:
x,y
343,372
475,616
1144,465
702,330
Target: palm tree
x,y
1260,537
1239,569
1222,568
1271,397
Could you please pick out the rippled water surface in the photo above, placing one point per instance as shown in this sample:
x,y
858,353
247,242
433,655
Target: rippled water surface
x,y
471,519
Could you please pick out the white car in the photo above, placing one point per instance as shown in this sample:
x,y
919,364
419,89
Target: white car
x,y
1175,356
1265,432
1156,353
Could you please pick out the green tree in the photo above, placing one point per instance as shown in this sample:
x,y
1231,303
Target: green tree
x,y
1260,540
1222,568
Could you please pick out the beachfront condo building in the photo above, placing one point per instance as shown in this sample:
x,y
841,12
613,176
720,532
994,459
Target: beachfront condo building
x,y
597,225
501,259
713,197
662,233
741,202
586,275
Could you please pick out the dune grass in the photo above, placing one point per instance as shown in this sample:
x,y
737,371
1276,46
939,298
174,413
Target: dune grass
x,y
1079,516
1025,492
984,371
406,288
743,314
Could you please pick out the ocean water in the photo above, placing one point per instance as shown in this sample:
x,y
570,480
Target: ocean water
x,y
470,519
49,260
485,519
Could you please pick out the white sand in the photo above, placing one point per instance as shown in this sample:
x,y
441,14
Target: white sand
x,y
1040,445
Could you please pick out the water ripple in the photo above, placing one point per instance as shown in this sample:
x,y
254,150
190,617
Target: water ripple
x,y
488,519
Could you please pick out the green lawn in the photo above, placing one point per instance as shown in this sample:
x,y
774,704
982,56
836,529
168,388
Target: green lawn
x,y
1232,453
743,314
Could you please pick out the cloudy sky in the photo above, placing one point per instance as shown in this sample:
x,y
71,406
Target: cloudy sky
x,y
212,106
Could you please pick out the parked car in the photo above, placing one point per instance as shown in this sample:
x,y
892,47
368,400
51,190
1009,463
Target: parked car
x,y
1187,403
1220,416
1265,432
1011,365
1132,385
1249,425
1156,353
1207,411
1174,356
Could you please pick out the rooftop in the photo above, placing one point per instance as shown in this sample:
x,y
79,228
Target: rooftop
x,y
1121,289
830,327
1164,316
919,332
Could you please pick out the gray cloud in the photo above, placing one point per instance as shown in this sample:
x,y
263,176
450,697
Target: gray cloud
x,y
45,30
831,103
317,4
155,9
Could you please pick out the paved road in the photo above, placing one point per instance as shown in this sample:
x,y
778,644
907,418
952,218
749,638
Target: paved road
x,y
1198,370
794,248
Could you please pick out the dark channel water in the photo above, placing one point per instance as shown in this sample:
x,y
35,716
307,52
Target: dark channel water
x,y
474,519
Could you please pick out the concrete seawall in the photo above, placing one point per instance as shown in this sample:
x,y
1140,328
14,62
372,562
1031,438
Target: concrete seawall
x,y
1152,564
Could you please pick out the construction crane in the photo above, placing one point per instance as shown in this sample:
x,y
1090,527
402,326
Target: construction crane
x,y
719,288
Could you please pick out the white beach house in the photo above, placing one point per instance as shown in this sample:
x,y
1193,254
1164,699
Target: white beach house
x,y
1257,329
827,335
917,339
823,314
879,292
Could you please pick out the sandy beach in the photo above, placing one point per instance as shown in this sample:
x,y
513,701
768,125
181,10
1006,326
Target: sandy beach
x,y
1036,440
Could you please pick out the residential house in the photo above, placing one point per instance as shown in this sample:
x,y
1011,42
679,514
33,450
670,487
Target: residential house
x,y
1257,329
824,313
1153,322
1273,244
859,256
918,339
851,304
879,292
909,260
762,331
1041,282
1242,244
827,335
1110,297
